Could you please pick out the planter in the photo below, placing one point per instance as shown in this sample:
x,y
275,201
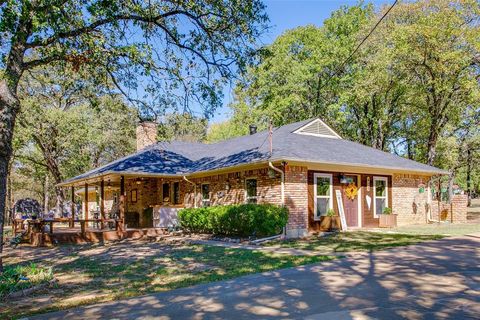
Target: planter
x,y
330,223
387,220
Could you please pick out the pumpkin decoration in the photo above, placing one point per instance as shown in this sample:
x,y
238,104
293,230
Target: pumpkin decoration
x,y
351,191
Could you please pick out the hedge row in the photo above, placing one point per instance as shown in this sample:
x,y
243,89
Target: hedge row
x,y
243,220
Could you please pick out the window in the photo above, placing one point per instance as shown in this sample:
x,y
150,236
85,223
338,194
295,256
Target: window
x,y
166,192
205,194
176,193
251,190
323,194
380,194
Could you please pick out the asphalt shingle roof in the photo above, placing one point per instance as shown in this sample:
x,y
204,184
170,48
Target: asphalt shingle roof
x,y
183,158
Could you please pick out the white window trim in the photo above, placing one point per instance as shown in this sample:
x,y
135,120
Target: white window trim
x,y
375,179
209,194
246,192
330,203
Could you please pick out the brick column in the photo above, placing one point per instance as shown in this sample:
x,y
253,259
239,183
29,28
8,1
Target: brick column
x,y
296,200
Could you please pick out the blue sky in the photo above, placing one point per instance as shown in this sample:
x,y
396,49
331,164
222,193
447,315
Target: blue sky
x,y
288,14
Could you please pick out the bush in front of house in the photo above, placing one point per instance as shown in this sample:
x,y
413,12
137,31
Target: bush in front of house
x,y
242,220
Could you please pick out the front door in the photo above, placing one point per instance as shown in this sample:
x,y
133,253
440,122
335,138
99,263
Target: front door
x,y
350,200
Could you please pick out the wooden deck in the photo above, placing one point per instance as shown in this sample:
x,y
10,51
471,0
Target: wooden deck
x,y
76,236
40,233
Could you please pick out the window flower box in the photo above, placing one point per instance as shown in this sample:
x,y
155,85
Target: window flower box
x,y
387,220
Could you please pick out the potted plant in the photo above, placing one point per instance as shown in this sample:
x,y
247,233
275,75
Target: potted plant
x,y
387,219
330,221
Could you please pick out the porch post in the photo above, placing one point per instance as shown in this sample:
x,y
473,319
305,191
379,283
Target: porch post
x,y
102,204
122,203
72,206
86,203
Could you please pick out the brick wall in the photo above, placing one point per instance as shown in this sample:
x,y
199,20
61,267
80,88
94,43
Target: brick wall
x,y
407,202
411,206
296,199
458,206
229,188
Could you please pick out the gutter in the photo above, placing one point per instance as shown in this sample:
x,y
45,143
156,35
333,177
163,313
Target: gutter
x,y
194,191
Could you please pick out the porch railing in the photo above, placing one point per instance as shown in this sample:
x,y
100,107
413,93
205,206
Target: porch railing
x,y
39,225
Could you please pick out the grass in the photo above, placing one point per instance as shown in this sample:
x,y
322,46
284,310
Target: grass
x,y
18,277
444,228
7,232
89,278
355,241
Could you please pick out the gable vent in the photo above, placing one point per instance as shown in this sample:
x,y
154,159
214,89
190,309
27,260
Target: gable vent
x,y
317,128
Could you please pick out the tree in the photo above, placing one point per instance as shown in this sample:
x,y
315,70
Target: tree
x,y
292,80
68,126
182,127
435,44
225,130
184,49
413,76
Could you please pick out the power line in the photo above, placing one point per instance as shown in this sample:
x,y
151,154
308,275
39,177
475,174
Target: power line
x,y
358,46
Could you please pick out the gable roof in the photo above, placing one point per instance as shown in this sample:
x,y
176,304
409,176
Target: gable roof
x,y
290,143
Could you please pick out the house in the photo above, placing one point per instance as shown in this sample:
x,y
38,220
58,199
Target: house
x,y
305,166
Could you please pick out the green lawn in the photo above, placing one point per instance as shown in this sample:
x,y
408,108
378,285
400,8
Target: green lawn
x,y
18,277
446,229
354,241
92,274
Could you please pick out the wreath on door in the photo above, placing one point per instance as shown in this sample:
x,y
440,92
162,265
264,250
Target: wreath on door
x,y
351,191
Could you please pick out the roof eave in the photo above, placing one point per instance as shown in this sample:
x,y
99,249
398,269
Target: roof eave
x,y
362,165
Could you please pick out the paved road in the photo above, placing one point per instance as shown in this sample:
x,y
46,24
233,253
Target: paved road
x,y
434,280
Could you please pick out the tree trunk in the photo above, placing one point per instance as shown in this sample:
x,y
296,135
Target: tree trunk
x,y
45,196
9,106
432,146
9,204
469,176
60,200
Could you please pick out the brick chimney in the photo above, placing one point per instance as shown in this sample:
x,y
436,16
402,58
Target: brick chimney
x,y
146,134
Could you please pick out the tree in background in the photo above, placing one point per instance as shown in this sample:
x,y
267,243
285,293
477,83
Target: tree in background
x,y
68,126
291,81
160,54
406,87
435,46
182,127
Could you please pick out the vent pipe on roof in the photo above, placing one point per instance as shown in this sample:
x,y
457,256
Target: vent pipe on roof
x,y
252,128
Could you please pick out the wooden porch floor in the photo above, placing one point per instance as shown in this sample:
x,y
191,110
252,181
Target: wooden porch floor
x,y
65,235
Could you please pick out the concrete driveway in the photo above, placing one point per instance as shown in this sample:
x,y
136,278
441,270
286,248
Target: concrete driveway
x,y
434,280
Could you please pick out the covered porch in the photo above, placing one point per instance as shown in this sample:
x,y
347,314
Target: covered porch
x,y
113,207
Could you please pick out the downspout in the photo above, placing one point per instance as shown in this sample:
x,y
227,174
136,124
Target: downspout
x,y
194,191
282,175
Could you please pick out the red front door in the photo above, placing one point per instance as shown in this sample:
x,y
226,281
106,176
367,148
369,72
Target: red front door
x,y
350,204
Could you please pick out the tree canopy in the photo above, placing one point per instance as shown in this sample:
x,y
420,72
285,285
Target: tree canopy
x,y
405,90
159,54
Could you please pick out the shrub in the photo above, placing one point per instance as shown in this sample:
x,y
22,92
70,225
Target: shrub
x,y
330,213
387,210
235,220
